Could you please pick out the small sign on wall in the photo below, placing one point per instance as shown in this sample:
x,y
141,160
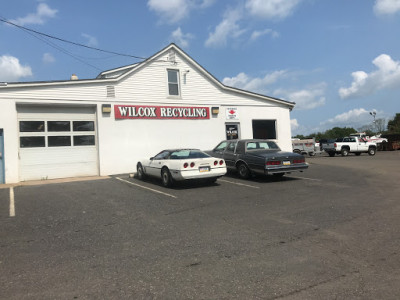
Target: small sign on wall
x,y
232,113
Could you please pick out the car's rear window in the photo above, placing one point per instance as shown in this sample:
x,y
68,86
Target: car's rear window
x,y
186,154
262,145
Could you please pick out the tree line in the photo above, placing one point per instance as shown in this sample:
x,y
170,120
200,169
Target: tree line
x,y
380,126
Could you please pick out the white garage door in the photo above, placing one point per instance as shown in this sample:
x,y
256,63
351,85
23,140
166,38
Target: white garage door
x,y
57,142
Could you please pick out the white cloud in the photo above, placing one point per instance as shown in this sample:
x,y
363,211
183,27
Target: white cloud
x,y
12,70
256,34
353,118
180,38
48,58
172,11
91,40
386,7
305,99
271,9
386,76
257,85
294,124
43,12
228,28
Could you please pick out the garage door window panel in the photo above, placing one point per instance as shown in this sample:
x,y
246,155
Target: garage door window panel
x,y
83,126
58,126
32,141
31,126
59,141
84,140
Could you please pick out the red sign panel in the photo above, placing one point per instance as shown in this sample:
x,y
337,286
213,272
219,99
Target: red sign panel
x,y
160,112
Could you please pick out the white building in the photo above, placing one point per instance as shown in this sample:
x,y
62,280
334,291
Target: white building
x,y
103,126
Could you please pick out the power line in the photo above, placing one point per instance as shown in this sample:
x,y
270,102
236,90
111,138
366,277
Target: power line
x,y
69,42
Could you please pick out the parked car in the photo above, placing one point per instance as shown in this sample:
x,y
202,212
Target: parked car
x,y
181,164
351,144
249,157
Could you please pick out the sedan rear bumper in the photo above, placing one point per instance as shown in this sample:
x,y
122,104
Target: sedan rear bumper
x,y
285,169
180,175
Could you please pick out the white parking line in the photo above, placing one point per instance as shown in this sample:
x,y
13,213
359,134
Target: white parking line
x,y
145,187
12,204
313,179
238,183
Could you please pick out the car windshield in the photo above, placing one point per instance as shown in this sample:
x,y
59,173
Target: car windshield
x,y
261,145
188,153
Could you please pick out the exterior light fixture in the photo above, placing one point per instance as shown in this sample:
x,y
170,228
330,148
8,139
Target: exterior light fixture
x,y
215,110
106,108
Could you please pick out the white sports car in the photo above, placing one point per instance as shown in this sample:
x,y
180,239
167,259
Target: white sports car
x,y
181,164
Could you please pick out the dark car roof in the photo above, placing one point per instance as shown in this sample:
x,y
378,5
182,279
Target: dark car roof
x,y
249,140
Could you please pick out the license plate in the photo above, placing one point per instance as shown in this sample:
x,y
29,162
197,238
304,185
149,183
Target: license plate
x,y
204,169
286,163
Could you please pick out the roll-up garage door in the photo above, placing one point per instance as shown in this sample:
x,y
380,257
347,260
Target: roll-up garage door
x,y
57,142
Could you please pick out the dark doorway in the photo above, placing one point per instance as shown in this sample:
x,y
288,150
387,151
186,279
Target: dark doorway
x,y
264,129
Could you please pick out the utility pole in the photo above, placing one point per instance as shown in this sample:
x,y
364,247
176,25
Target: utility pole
x,y
373,114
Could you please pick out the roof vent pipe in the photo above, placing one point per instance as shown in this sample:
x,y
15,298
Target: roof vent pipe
x,y
74,77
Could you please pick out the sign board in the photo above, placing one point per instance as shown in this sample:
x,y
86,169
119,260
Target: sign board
x,y
160,112
232,113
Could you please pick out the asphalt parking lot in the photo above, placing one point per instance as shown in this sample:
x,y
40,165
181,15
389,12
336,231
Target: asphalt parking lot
x,y
331,232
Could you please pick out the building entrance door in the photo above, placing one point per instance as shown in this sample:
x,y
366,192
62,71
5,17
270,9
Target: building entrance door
x,y
2,176
232,131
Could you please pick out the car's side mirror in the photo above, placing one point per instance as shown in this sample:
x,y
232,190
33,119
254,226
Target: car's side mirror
x,y
151,158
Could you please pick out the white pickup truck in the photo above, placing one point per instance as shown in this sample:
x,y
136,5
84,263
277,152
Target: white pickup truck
x,y
350,144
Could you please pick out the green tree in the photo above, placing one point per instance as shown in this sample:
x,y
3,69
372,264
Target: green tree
x,y
336,132
394,125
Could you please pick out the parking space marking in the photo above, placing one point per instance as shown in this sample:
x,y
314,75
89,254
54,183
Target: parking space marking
x,y
12,204
299,177
238,183
145,187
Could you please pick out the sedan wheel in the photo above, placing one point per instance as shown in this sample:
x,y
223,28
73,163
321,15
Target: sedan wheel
x,y
243,171
166,178
140,172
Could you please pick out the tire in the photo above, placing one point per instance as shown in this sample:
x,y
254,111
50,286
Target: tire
x,y
344,152
243,171
331,154
358,153
166,178
371,151
140,172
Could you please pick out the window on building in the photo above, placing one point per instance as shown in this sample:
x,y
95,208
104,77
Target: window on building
x,y
264,129
57,126
84,140
32,141
83,126
31,126
173,82
59,141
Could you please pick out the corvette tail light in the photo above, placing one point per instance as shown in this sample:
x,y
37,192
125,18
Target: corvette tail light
x,y
299,161
192,164
221,162
215,163
273,163
185,165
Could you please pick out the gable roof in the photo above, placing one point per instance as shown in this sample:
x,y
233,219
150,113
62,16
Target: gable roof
x,y
117,74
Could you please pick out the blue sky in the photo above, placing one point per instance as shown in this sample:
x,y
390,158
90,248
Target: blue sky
x,y
338,60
